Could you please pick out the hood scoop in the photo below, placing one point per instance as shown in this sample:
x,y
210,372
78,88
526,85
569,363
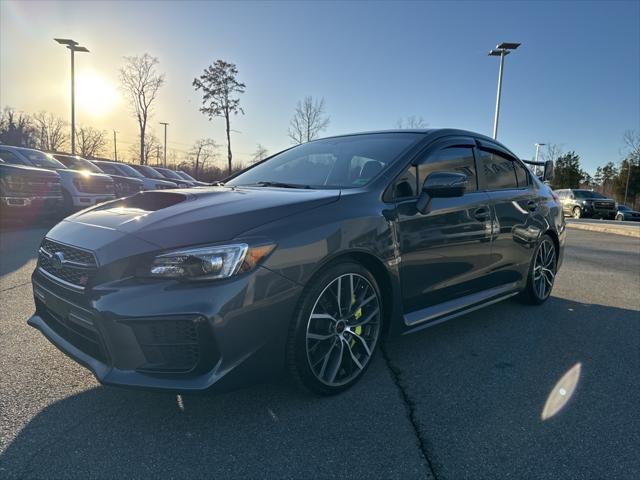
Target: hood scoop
x,y
149,201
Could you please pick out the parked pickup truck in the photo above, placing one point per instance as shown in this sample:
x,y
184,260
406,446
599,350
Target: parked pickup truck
x,y
79,189
586,203
28,194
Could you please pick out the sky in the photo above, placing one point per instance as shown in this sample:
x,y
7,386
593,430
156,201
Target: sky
x,y
575,81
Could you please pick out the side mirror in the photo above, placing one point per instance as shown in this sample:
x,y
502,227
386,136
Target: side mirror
x,y
441,185
549,171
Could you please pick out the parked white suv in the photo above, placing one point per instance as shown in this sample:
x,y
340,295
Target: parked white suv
x,y
79,189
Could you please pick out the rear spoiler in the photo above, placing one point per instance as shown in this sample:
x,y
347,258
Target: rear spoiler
x,y
531,162
548,172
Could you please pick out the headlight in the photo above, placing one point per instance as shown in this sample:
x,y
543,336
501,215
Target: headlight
x,y
208,263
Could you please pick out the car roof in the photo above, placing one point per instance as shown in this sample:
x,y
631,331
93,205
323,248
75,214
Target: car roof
x,y
433,133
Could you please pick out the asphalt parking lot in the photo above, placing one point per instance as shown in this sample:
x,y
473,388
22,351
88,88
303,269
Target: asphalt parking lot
x,y
464,399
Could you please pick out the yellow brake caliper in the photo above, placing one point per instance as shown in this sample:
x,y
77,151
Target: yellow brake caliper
x,y
357,315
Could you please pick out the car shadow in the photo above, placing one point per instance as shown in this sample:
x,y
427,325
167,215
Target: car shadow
x,y
516,391
19,245
477,387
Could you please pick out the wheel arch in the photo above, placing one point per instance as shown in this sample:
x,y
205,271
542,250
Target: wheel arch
x,y
379,271
556,240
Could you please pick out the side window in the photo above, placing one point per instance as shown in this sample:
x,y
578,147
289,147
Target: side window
x,y
11,157
499,171
454,159
561,194
406,185
522,174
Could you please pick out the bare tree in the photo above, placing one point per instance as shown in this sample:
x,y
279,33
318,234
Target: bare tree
x,y
141,82
203,150
260,154
552,151
90,141
308,120
631,141
51,132
152,149
412,121
220,90
16,128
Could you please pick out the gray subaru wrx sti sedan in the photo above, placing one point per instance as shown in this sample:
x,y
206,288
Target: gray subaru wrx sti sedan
x,y
303,262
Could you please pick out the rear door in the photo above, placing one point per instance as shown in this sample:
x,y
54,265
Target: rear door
x,y
446,252
514,203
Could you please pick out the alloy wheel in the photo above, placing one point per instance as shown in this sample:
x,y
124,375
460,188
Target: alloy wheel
x,y
577,212
343,329
544,269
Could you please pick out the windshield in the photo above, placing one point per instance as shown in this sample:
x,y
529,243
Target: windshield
x,y
129,171
39,159
149,172
342,162
170,174
186,176
623,207
78,163
587,194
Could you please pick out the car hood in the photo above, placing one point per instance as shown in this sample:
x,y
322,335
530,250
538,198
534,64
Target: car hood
x,y
28,171
179,218
66,172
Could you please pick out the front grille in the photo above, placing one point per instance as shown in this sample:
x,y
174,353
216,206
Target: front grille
x,y
126,188
174,346
36,187
604,205
76,266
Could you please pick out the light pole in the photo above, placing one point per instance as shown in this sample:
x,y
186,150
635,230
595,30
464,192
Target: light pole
x,y
501,51
74,47
165,143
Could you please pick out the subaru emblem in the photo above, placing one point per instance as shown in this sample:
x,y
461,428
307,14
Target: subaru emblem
x,y
57,259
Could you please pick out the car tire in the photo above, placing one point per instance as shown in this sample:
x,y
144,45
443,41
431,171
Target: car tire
x,y
542,269
576,213
620,217
331,342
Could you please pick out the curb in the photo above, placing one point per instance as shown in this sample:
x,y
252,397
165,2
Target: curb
x,y
627,231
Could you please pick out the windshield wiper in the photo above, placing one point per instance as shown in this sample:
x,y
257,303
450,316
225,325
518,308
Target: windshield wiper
x,y
279,185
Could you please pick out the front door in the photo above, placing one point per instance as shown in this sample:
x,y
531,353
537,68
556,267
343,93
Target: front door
x,y
446,252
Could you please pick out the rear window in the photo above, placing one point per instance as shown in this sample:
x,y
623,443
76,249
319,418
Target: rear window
x,y
583,194
499,171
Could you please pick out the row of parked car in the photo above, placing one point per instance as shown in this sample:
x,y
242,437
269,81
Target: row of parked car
x,y
36,184
581,203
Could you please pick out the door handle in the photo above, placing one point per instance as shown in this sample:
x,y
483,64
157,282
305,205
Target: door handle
x,y
481,214
532,205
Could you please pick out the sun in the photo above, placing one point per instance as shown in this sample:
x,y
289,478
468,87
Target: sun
x,y
95,95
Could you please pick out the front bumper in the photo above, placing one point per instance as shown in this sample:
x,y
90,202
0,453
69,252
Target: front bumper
x,y
170,335
89,200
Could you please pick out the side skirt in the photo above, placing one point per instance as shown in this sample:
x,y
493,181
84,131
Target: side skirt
x,y
434,315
